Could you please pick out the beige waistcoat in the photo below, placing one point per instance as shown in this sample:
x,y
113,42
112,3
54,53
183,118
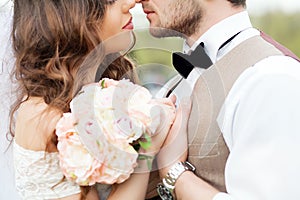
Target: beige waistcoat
x,y
207,149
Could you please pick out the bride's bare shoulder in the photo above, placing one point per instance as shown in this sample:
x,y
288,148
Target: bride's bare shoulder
x,y
35,124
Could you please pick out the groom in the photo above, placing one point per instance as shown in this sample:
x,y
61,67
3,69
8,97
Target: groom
x,y
243,130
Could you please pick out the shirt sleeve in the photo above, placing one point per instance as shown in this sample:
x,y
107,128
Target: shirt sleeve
x,y
261,126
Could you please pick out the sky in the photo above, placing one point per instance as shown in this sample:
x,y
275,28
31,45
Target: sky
x,y
255,6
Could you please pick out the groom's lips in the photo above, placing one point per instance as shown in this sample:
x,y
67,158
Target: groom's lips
x,y
149,13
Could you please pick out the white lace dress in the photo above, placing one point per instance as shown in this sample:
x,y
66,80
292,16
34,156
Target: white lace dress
x,y
38,175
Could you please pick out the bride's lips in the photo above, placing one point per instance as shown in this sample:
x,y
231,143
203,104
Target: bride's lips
x,y
129,25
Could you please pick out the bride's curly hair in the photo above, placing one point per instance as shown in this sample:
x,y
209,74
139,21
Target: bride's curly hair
x,y
52,41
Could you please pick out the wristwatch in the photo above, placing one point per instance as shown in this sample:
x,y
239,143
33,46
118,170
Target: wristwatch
x,y
166,189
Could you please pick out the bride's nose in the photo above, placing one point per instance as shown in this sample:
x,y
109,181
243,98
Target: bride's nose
x,y
128,5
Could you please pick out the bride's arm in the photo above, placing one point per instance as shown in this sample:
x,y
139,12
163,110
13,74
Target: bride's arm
x,y
135,187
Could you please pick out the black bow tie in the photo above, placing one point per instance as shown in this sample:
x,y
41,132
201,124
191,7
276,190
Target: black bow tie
x,y
185,63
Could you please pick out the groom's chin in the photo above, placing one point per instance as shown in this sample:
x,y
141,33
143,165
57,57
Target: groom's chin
x,y
164,32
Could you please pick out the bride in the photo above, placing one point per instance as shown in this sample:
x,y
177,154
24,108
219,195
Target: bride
x,y
51,40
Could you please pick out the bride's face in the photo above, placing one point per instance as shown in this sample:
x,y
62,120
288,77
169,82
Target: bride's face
x,y
117,18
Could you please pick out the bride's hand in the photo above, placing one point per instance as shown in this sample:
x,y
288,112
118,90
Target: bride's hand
x,y
175,146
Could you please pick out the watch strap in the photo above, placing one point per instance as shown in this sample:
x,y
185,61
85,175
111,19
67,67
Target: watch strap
x,y
171,177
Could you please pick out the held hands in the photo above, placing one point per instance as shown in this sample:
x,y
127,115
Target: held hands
x,y
165,119
175,146
170,141
164,110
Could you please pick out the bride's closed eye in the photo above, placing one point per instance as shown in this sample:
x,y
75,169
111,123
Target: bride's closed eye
x,y
110,1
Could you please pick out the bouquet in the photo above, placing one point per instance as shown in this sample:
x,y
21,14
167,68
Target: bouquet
x,y
95,140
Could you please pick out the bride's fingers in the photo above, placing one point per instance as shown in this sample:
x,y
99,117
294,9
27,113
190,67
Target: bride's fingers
x,y
175,145
180,124
167,101
173,98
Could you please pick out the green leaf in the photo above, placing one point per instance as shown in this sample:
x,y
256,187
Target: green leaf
x,y
149,163
149,160
147,144
102,83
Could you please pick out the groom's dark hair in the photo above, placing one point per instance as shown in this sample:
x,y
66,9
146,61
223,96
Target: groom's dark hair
x,y
238,2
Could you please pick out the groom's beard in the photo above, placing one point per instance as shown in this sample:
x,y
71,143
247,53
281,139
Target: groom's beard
x,y
181,19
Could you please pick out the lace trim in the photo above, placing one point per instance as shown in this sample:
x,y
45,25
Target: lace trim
x,y
38,175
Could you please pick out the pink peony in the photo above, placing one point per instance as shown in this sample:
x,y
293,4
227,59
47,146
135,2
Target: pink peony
x,y
94,140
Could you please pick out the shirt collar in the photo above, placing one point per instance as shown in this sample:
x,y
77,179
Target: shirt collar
x,y
212,38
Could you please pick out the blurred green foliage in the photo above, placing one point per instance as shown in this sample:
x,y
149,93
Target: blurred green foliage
x,y
149,49
283,27
153,55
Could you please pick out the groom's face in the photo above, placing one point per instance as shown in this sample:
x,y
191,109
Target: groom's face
x,y
175,16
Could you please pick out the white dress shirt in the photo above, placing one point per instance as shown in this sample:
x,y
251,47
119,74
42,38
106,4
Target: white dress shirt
x,y
260,119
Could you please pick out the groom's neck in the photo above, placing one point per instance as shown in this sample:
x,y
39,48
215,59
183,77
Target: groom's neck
x,y
210,19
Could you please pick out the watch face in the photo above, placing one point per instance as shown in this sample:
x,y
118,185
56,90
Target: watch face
x,y
163,192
